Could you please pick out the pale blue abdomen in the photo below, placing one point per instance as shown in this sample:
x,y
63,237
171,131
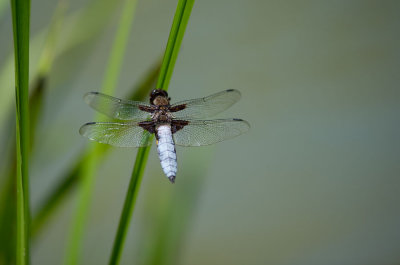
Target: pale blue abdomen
x,y
166,151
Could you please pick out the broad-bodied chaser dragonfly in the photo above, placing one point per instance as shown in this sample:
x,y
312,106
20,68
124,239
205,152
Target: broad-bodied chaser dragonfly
x,y
177,124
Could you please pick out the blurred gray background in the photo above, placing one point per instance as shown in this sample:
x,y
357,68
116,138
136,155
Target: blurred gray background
x,y
316,179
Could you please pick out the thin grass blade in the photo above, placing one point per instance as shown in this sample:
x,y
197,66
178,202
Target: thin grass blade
x,y
177,32
3,5
89,168
174,221
181,18
7,202
21,17
80,29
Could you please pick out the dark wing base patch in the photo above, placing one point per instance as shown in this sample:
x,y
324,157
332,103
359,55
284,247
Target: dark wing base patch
x,y
148,126
177,125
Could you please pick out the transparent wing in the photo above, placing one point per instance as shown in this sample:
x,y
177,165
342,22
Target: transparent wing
x,y
116,108
116,134
206,132
208,106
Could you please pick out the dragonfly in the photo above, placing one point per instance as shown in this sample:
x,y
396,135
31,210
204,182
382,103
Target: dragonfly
x,y
184,123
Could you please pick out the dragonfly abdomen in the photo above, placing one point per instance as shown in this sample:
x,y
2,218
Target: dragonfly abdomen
x,y
166,151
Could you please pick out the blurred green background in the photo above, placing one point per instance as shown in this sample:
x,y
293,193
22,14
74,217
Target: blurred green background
x,y
315,181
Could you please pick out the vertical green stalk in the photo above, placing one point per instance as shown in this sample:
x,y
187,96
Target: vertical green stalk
x,y
181,19
8,209
178,28
91,163
20,16
46,59
175,214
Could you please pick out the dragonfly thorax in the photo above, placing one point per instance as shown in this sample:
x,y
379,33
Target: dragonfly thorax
x,y
162,115
161,101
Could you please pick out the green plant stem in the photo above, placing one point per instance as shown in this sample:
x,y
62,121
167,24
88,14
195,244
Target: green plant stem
x,y
21,16
178,28
181,18
49,51
130,199
36,96
3,5
74,248
80,29
174,215
8,217
88,172
119,47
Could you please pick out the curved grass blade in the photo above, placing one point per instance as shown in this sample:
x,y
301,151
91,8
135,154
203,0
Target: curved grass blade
x,y
178,28
3,5
7,202
8,219
174,214
80,29
38,89
89,169
21,17
181,18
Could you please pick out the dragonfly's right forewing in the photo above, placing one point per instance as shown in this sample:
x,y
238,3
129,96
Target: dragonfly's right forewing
x,y
206,107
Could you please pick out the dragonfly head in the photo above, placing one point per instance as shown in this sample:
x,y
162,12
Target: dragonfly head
x,y
160,95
